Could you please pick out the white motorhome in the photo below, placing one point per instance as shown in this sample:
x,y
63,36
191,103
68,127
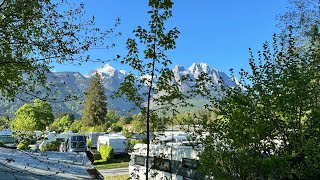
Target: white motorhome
x,y
37,134
57,137
171,139
175,162
116,141
93,137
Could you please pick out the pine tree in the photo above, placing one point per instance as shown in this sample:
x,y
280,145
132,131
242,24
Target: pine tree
x,y
95,106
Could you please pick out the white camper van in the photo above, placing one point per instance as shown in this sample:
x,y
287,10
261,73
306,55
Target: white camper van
x,y
57,137
117,142
93,137
176,162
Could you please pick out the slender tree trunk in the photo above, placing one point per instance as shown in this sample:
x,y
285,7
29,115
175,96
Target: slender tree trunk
x,y
148,117
149,95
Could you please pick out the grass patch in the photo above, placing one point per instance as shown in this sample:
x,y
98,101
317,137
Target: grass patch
x,y
117,162
121,177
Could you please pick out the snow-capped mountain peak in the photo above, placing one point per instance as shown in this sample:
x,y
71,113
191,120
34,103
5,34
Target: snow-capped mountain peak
x,y
178,68
106,69
197,68
67,83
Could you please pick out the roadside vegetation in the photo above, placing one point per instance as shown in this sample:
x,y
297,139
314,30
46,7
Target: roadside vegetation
x,y
117,162
121,177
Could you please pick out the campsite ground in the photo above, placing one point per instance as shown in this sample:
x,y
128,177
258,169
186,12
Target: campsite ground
x,y
121,177
117,162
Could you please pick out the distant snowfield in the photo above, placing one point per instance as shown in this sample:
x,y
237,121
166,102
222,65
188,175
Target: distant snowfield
x,y
16,164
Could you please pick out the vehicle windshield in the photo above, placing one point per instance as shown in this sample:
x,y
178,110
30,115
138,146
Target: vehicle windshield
x,y
78,138
78,141
78,144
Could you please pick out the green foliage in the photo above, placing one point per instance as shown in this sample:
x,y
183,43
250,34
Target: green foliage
x,y
4,122
139,123
51,146
134,141
36,33
102,128
97,155
23,145
30,118
118,126
152,78
117,162
120,177
130,144
62,124
106,152
88,142
1,144
61,115
126,133
111,117
115,127
157,123
269,129
76,126
301,17
95,106
125,119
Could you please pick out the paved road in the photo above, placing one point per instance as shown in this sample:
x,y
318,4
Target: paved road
x,y
114,172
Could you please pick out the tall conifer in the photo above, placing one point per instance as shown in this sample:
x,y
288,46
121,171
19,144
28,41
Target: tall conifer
x,y
95,106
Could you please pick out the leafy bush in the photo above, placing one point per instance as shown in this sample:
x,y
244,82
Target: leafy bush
x,y
115,127
96,155
1,144
23,145
88,142
52,146
76,126
106,152
135,141
131,143
144,141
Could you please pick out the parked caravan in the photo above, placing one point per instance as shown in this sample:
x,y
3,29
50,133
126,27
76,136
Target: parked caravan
x,y
57,137
75,143
8,139
50,135
171,139
174,162
37,134
117,142
93,137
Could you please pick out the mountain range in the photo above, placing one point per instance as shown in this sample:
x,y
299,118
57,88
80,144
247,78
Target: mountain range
x,y
74,83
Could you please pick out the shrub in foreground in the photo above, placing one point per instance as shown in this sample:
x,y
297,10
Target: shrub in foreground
x,y
52,146
97,155
106,152
23,145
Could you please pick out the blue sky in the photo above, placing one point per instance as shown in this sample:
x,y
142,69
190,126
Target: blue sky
x,y
218,33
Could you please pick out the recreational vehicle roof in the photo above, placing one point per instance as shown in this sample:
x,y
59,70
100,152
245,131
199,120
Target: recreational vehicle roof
x,y
113,136
6,132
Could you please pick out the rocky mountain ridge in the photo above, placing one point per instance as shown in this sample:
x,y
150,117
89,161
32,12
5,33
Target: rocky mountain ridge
x,y
74,83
